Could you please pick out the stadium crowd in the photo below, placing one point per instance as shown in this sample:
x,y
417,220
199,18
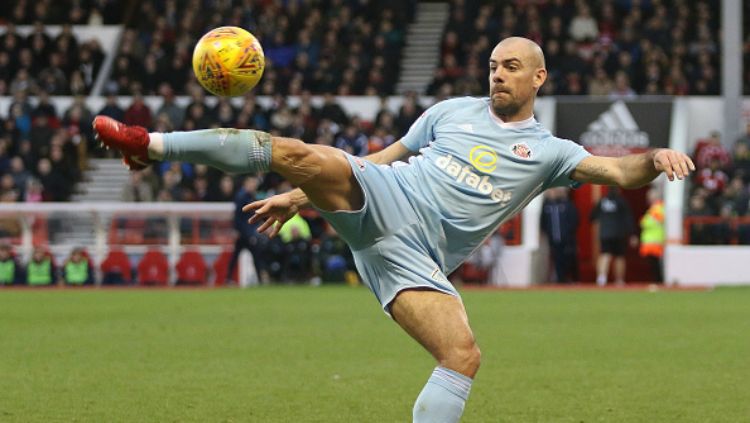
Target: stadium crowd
x,y
42,151
720,188
336,46
609,48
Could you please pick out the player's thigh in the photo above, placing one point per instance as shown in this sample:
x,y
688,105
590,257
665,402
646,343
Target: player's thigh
x,y
438,321
322,172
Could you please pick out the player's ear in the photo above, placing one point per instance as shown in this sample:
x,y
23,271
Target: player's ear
x,y
540,75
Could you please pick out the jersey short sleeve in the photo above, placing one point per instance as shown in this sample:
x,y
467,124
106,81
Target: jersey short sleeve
x,y
568,155
422,131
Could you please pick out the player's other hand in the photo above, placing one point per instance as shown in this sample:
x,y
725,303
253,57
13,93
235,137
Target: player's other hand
x,y
274,210
673,163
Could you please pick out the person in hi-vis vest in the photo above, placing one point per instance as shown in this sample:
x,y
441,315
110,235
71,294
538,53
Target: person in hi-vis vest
x,y
40,271
652,233
77,269
9,268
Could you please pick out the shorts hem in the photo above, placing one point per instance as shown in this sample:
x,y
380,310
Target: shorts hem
x,y
365,197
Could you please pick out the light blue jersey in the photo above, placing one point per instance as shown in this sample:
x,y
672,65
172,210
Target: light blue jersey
x,y
421,220
475,172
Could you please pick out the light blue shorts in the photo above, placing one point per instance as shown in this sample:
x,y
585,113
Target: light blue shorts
x,y
386,236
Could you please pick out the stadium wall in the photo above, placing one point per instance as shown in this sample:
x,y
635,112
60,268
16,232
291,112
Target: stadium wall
x,y
693,265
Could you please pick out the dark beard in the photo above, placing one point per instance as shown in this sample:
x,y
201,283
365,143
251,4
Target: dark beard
x,y
507,109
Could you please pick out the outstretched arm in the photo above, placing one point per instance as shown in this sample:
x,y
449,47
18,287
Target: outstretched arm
x,y
634,170
390,154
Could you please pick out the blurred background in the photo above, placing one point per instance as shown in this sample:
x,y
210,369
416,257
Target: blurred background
x,y
624,76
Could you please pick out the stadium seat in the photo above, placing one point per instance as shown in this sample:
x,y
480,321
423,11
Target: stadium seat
x,y
191,269
221,266
153,268
116,268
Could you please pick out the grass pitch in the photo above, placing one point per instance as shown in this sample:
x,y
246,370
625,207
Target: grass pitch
x,y
298,354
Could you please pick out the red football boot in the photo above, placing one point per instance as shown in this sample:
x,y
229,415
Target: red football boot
x,y
131,141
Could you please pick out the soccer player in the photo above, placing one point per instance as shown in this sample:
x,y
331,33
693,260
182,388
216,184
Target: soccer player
x,y
478,162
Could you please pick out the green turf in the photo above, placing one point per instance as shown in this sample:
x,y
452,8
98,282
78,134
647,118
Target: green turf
x,y
329,355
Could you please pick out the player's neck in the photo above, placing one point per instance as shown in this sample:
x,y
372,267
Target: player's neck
x,y
517,120
523,114
514,118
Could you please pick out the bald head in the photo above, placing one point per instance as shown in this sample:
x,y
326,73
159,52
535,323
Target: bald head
x,y
528,49
517,71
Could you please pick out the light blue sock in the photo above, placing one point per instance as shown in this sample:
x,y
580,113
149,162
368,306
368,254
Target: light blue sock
x,y
227,149
443,397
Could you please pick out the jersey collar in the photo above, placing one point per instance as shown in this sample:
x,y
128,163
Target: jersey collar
x,y
523,124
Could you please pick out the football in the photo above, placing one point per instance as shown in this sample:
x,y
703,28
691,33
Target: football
x,y
228,61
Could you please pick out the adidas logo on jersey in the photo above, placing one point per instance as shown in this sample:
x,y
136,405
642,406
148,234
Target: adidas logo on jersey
x,y
465,175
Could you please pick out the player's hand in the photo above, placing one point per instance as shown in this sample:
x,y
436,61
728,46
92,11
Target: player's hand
x,y
275,210
673,163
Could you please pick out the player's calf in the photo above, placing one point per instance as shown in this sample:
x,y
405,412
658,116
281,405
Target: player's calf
x,y
227,149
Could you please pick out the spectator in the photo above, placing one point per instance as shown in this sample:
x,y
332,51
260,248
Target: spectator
x,y
56,187
41,136
137,189
112,108
652,234
169,107
138,113
600,84
409,111
19,172
21,120
379,140
332,111
5,160
710,149
741,156
34,192
333,258
615,227
40,270
559,222
295,236
712,178
248,237
45,108
353,141
226,192
583,26
77,269
10,271
735,197
622,89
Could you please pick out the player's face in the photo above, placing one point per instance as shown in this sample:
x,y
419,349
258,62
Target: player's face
x,y
515,78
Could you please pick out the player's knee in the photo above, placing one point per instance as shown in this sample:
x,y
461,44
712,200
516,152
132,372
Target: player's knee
x,y
464,359
474,358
